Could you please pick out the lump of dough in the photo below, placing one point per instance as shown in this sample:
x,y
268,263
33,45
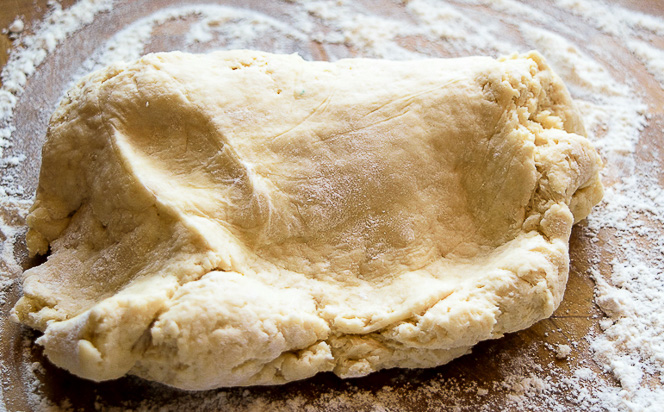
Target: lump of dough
x,y
243,218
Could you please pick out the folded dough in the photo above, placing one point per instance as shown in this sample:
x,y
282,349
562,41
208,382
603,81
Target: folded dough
x,y
244,218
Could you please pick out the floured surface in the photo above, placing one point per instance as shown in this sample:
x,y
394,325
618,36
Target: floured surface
x,y
515,371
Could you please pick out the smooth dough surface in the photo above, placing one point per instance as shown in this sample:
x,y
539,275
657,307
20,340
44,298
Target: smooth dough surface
x,y
243,218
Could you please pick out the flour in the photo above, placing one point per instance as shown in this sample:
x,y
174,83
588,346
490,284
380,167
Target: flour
x,y
236,27
30,51
619,111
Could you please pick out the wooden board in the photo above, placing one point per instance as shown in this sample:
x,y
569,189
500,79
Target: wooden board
x,y
447,387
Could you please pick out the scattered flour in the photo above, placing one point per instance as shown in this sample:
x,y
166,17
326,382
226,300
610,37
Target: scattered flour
x,y
30,51
621,115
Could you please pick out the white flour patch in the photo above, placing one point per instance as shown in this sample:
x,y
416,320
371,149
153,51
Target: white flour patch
x,y
628,269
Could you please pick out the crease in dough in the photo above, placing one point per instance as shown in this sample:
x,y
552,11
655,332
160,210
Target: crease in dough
x,y
243,218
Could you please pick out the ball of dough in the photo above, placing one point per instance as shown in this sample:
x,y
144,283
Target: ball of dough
x,y
243,218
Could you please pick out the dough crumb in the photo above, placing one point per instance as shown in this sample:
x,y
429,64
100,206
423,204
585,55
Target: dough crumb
x,y
563,351
17,26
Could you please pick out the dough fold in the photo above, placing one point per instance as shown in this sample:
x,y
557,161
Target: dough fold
x,y
243,218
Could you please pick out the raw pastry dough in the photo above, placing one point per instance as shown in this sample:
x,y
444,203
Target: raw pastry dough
x,y
243,218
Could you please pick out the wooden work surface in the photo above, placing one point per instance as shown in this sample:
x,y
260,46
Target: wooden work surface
x,y
488,365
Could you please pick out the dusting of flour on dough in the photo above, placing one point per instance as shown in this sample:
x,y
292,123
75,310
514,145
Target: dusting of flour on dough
x,y
620,116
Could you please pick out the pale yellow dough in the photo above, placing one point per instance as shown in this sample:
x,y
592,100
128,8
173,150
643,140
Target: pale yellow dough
x,y
243,218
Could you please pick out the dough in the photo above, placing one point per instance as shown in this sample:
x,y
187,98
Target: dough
x,y
243,218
